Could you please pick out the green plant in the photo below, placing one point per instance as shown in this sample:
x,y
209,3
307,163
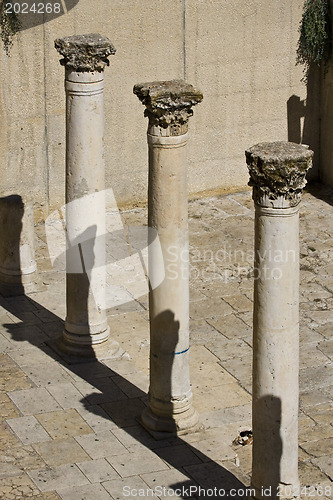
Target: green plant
x,y
9,24
315,35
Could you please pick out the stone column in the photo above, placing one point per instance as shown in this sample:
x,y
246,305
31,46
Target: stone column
x,y
86,332
18,270
277,174
168,107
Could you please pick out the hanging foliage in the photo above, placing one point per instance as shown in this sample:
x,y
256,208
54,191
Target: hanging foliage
x,y
315,35
9,24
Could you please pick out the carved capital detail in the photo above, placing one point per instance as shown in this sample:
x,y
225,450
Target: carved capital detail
x,y
168,104
277,172
85,53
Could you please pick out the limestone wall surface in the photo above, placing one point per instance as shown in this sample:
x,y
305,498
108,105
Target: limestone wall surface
x,y
240,53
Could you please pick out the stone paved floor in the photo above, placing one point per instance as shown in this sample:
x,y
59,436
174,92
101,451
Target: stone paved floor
x,y
71,431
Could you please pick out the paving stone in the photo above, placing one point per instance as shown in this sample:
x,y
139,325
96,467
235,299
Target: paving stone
x,y
315,433
134,385
5,344
316,377
319,448
7,408
170,484
32,356
64,424
130,464
95,491
123,366
326,347
226,415
18,487
199,355
28,430
130,487
240,303
96,418
226,349
21,458
67,395
219,397
103,390
325,464
136,435
61,451
209,308
208,375
47,374
325,330
101,445
11,376
25,335
124,413
311,356
309,336
320,318
98,470
211,475
178,455
230,326
321,414
90,371
312,477
313,398
201,332
213,449
53,478
33,401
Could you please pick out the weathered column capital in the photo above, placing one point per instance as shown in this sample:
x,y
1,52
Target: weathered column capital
x,y
85,53
277,172
168,104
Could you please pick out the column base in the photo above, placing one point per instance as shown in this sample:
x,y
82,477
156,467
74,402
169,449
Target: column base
x,y
83,353
22,284
176,425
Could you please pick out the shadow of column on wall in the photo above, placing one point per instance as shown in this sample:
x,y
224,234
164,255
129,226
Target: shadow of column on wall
x,y
11,215
303,118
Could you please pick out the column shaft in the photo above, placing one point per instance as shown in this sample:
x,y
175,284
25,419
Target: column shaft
x,y
86,321
167,213
86,333
277,174
170,407
275,349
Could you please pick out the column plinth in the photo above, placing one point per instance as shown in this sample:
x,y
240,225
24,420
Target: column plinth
x,y
277,174
168,107
86,333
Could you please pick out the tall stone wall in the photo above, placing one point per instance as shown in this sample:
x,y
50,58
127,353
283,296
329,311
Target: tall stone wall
x,y
240,53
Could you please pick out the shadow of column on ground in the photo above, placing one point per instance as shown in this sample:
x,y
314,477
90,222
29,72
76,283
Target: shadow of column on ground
x,y
113,403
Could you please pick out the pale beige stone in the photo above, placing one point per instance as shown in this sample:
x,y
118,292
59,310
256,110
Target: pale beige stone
x,y
60,452
63,424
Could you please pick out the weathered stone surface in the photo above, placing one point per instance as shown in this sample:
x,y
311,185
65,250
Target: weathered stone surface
x,y
85,52
168,103
278,169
